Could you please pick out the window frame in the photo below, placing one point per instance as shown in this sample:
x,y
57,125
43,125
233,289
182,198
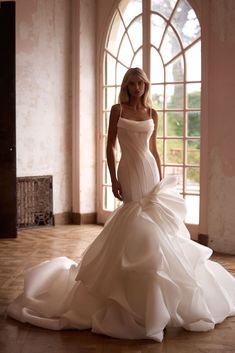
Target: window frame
x,y
103,214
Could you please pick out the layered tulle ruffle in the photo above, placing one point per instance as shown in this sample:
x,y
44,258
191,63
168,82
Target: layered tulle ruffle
x,y
141,274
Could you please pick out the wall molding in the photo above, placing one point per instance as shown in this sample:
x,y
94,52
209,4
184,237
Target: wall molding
x,y
203,239
62,218
75,218
84,218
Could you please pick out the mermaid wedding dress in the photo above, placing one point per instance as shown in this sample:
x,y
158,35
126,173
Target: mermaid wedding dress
x,y
142,273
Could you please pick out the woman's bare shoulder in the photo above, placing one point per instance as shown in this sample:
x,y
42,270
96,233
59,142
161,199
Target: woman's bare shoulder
x,y
154,115
116,109
114,114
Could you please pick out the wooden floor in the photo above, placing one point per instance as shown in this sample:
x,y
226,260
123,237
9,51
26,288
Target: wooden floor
x,y
35,245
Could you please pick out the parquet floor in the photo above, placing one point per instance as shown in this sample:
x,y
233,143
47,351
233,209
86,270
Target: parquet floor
x,y
36,245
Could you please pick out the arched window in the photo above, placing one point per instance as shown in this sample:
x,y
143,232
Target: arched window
x,y
162,37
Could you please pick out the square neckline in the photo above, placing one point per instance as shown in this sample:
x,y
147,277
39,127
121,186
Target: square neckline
x,y
135,121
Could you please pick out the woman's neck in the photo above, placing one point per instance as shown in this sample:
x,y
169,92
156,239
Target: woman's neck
x,y
136,103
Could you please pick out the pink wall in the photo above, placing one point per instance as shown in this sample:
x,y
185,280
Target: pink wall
x,y
84,107
43,94
221,215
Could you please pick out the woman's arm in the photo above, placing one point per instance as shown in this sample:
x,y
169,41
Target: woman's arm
x,y
153,143
110,150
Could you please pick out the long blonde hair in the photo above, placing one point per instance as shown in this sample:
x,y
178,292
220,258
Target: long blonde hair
x,y
124,96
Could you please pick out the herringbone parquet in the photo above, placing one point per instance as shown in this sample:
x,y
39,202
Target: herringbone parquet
x,y
36,245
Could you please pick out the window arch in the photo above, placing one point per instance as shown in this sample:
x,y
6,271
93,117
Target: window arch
x,y
162,37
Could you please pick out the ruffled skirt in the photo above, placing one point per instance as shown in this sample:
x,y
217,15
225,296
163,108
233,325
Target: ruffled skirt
x,y
140,275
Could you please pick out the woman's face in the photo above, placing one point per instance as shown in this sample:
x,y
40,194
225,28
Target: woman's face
x,y
136,86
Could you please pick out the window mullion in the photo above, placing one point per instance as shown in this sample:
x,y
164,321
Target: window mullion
x,y
146,35
128,11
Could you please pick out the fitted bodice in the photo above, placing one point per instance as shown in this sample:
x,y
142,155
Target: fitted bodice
x,y
134,134
137,171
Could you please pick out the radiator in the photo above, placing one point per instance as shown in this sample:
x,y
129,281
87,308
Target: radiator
x,y
34,201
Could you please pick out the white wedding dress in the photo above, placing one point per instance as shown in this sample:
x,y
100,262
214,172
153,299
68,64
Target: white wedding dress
x,y
142,273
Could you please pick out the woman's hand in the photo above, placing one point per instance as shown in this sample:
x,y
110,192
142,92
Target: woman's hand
x,y
117,189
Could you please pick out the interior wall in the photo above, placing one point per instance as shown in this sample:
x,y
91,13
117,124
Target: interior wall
x,y
43,91
221,216
84,118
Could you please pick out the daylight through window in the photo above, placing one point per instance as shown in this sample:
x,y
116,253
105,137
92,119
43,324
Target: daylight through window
x,y
163,38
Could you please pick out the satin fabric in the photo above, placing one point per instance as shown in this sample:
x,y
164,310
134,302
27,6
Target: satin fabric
x,y
142,273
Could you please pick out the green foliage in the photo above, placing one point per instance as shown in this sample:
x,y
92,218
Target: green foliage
x,y
175,127
174,124
193,174
194,100
194,124
157,101
176,101
193,155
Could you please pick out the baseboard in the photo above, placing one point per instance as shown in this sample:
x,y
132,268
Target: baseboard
x,y
203,239
62,218
75,218
84,218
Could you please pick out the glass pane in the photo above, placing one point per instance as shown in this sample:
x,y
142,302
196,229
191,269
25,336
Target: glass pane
x,y
117,93
193,95
135,33
130,9
186,23
126,52
109,97
117,153
193,152
115,35
192,204
157,70
160,148
193,62
121,70
160,124
178,140
105,122
163,7
175,70
192,180
193,123
138,59
108,200
174,124
110,68
157,96
174,151
170,46
104,146
106,175
175,96
178,172
157,28
117,203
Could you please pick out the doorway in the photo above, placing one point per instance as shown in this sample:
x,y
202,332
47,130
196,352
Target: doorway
x,y
7,121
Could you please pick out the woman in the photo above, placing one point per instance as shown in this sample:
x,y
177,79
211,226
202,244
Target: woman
x,y
134,104
142,273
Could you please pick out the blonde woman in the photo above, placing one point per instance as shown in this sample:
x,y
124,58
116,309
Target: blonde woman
x,y
134,106
142,273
